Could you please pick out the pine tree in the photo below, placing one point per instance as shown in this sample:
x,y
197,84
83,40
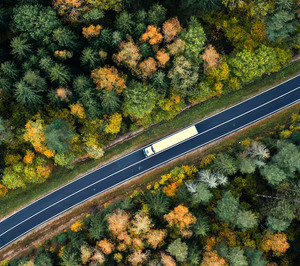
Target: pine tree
x,y
20,47
27,95
66,38
225,164
202,195
59,135
246,220
124,22
179,250
90,58
59,74
156,15
158,203
256,257
202,227
98,226
9,69
5,131
111,102
237,257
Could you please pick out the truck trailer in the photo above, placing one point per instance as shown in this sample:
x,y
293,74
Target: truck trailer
x,y
170,141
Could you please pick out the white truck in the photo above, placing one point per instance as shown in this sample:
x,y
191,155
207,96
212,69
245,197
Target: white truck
x,y
170,141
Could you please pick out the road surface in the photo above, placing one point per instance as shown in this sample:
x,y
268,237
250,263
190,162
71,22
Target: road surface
x,y
135,163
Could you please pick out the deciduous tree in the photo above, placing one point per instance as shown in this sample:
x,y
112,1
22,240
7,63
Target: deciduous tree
x,y
179,250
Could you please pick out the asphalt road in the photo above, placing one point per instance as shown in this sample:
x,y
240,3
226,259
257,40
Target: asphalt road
x,y
135,164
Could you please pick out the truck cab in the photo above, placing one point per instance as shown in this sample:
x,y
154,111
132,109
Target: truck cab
x,y
148,151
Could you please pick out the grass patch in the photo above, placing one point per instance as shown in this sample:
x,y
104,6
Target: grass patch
x,y
21,197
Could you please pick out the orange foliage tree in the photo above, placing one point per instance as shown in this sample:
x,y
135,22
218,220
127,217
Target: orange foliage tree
x,y
108,78
152,34
129,55
211,57
211,258
28,158
162,57
78,110
118,222
115,122
91,31
171,28
3,191
167,260
77,227
148,67
180,217
276,242
176,47
137,257
63,94
156,237
106,246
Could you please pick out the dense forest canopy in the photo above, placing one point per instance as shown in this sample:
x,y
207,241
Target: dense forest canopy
x,y
75,74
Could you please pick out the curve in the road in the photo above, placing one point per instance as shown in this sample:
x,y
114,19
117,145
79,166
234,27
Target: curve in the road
x,y
134,164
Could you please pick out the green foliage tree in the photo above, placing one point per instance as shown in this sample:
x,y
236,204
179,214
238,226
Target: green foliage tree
x,y
111,102
66,38
179,250
195,40
281,26
158,204
284,4
6,85
20,47
225,164
287,158
237,257
5,131
98,226
59,135
70,258
277,225
60,74
273,174
227,208
140,100
194,256
184,76
12,179
246,220
204,6
46,64
92,15
36,20
159,80
247,166
202,195
256,257
65,160
124,22
202,227
156,15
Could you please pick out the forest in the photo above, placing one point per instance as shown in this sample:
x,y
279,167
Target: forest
x,y
76,74
238,207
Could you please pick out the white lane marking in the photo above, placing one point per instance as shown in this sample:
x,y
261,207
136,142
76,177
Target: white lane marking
x,y
104,178
104,165
179,155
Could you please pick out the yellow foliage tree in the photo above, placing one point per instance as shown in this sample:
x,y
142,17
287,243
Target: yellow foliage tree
x,y
115,122
11,159
78,110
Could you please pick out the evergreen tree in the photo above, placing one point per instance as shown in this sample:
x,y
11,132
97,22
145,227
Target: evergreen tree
x,y
26,95
5,85
277,225
46,64
124,22
59,74
237,257
59,135
158,203
156,15
281,26
202,195
179,250
66,38
246,220
273,174
225,164
111,102
204,6
43,259
159,80
90,58
227,208
256,257
9,69
247,166
98,226
5,132
202,227
20,47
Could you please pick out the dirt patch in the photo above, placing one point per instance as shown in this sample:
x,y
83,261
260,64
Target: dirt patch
x,y
63,222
